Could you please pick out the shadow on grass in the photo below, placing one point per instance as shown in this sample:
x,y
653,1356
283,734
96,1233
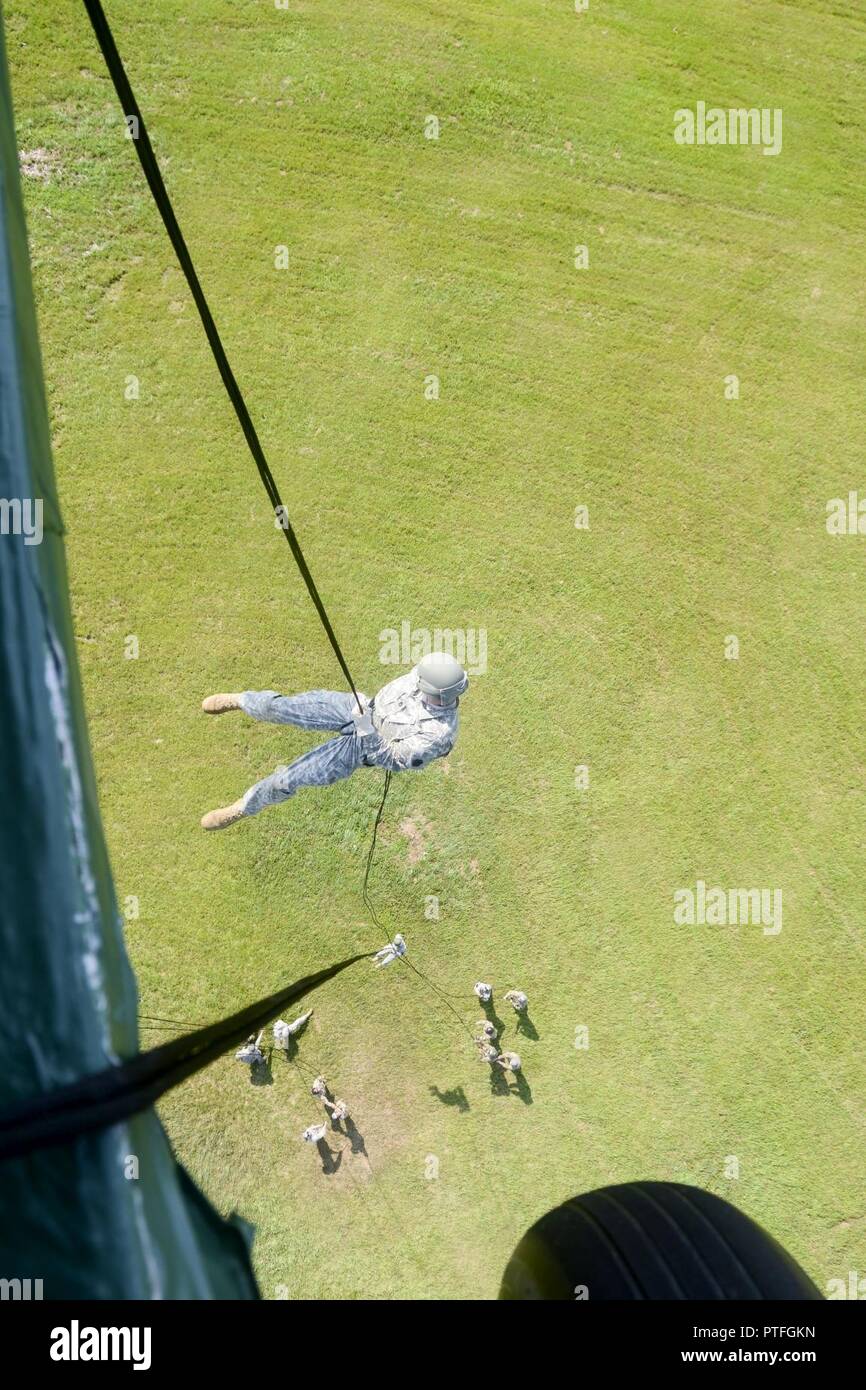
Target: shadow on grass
x,y
498,1084
517,1085
456,1097
331,1158
291,1051
493,1017
355,1137
527,1027
521,1087
260,1073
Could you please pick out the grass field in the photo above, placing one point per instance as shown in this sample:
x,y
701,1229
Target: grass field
x,y
559,387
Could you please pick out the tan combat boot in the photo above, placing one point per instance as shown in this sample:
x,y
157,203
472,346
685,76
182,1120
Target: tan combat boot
x,y
223,816
220,704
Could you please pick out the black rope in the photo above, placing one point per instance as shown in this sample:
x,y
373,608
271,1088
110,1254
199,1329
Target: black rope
x,y
430,985
120,1091
175,1022
147,159
372,850
158,1028
442,995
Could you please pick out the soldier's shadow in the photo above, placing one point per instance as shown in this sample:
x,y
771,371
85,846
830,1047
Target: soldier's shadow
x,y
292,1047
355,1137
456,1097
261,1074
527,1027
498,1084
331,1158
492,1017
521,1087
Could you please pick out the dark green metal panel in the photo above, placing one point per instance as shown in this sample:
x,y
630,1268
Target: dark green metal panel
x,y
71,1216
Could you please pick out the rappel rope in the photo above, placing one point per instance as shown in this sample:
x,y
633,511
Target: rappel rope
x,y
379,924
379,814
148,161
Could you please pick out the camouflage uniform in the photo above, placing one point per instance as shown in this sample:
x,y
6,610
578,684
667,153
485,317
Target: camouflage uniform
x,y
406,734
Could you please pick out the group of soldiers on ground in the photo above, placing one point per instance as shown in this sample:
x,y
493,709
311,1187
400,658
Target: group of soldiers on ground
x,y
251,1052
486,1033
337,1109
486,1038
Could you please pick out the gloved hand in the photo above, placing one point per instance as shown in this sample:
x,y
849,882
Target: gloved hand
x,y
363,722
